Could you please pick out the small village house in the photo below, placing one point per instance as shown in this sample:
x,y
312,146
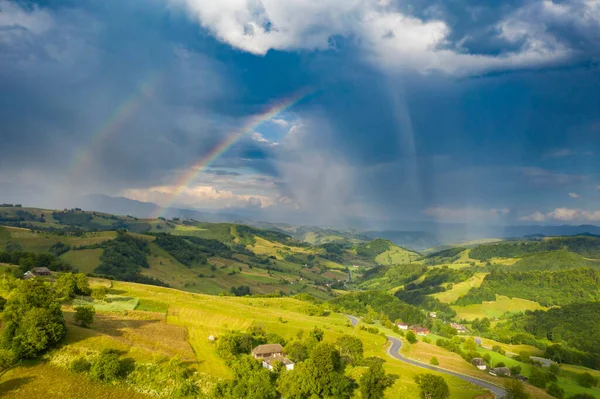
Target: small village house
x,y
459,328
267,350
479,363
402,326
271,354
500,371
41,271
419,330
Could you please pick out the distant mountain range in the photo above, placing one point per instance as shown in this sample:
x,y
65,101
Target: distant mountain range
x,y
412,235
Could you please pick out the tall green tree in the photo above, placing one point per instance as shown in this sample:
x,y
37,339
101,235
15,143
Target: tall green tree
x,y
33,320
250,381
350,348
374,381
84,315
515,389
432,386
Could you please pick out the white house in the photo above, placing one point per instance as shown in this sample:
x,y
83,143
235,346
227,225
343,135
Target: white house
x,y
269,362
402,326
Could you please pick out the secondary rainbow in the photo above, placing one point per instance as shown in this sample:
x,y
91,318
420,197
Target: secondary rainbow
x,y
115,122
190,175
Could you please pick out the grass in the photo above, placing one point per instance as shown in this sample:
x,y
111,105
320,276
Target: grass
x,y
85,260
495,309
396,256
460,289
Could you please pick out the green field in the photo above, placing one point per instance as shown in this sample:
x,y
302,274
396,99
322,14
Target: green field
x,y
495,309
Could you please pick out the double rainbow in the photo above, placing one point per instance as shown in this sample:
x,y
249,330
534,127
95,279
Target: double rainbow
x,y
192,173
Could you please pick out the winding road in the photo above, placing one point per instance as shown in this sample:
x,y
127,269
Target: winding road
x,y
394,351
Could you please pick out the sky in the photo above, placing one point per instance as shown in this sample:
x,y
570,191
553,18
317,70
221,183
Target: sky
x,y
463,111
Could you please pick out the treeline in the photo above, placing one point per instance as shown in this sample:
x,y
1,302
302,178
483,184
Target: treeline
x,y
185,252
586,246
359,303
576,326
124,257
549,288
28,260
446,256
371,249
553,260
247,233
385,277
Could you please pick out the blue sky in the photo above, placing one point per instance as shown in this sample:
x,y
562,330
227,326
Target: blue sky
x,y
464,112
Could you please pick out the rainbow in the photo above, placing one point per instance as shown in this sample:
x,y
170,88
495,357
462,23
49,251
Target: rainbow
x,y
190,175
115,122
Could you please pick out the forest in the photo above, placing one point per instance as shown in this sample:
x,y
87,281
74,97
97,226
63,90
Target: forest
x,y
549,288
587,246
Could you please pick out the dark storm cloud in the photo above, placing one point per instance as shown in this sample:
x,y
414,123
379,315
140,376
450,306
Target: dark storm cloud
x,y
370,140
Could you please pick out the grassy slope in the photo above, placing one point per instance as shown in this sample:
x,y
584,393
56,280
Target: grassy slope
x,y
205,315
495,309
396,255
460,289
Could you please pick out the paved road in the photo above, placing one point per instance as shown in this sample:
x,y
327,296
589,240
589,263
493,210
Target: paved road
x,y
394,351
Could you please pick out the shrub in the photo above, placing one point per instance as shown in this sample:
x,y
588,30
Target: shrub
x,y
80,365
434,361
587,380
556,391
411,337
106,367
84,315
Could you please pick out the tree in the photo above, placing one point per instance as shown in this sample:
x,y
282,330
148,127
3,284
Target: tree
x,y
69,285
350,348
556,391
2,303
321,375
432,386
33,320
587,380
411,337
84,315
470,344
374,381
7,359
296,351
99,293
515,389
251,381
107,366
582,396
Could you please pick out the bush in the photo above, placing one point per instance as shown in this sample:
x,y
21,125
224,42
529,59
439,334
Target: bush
x,y
434,361
80,365
107,366
84,315
411,337
587,380
556,391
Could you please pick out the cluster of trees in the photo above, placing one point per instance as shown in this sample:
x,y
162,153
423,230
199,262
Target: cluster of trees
x,y
182,250
445,256
334,251
10,205
73,217
32,321
385,277
552,260
549,288
246,235
319,369
123,258
242,290
359,303
28,260
20,216
587,246
370,250
211,247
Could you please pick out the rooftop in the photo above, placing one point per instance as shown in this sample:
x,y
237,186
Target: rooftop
x,y
267,348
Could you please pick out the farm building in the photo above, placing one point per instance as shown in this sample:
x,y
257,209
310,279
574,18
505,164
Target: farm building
x,y
28,275
270,362
479,363
402,326
419,330
459,327
268,350
41,271
500,371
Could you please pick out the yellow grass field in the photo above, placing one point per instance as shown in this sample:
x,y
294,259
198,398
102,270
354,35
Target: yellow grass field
x,y
460,289
495,309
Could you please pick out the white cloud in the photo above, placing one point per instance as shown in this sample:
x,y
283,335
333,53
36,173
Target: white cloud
x,y
573,195
389,37
16,21
534,217
280,122
564,215
468,213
